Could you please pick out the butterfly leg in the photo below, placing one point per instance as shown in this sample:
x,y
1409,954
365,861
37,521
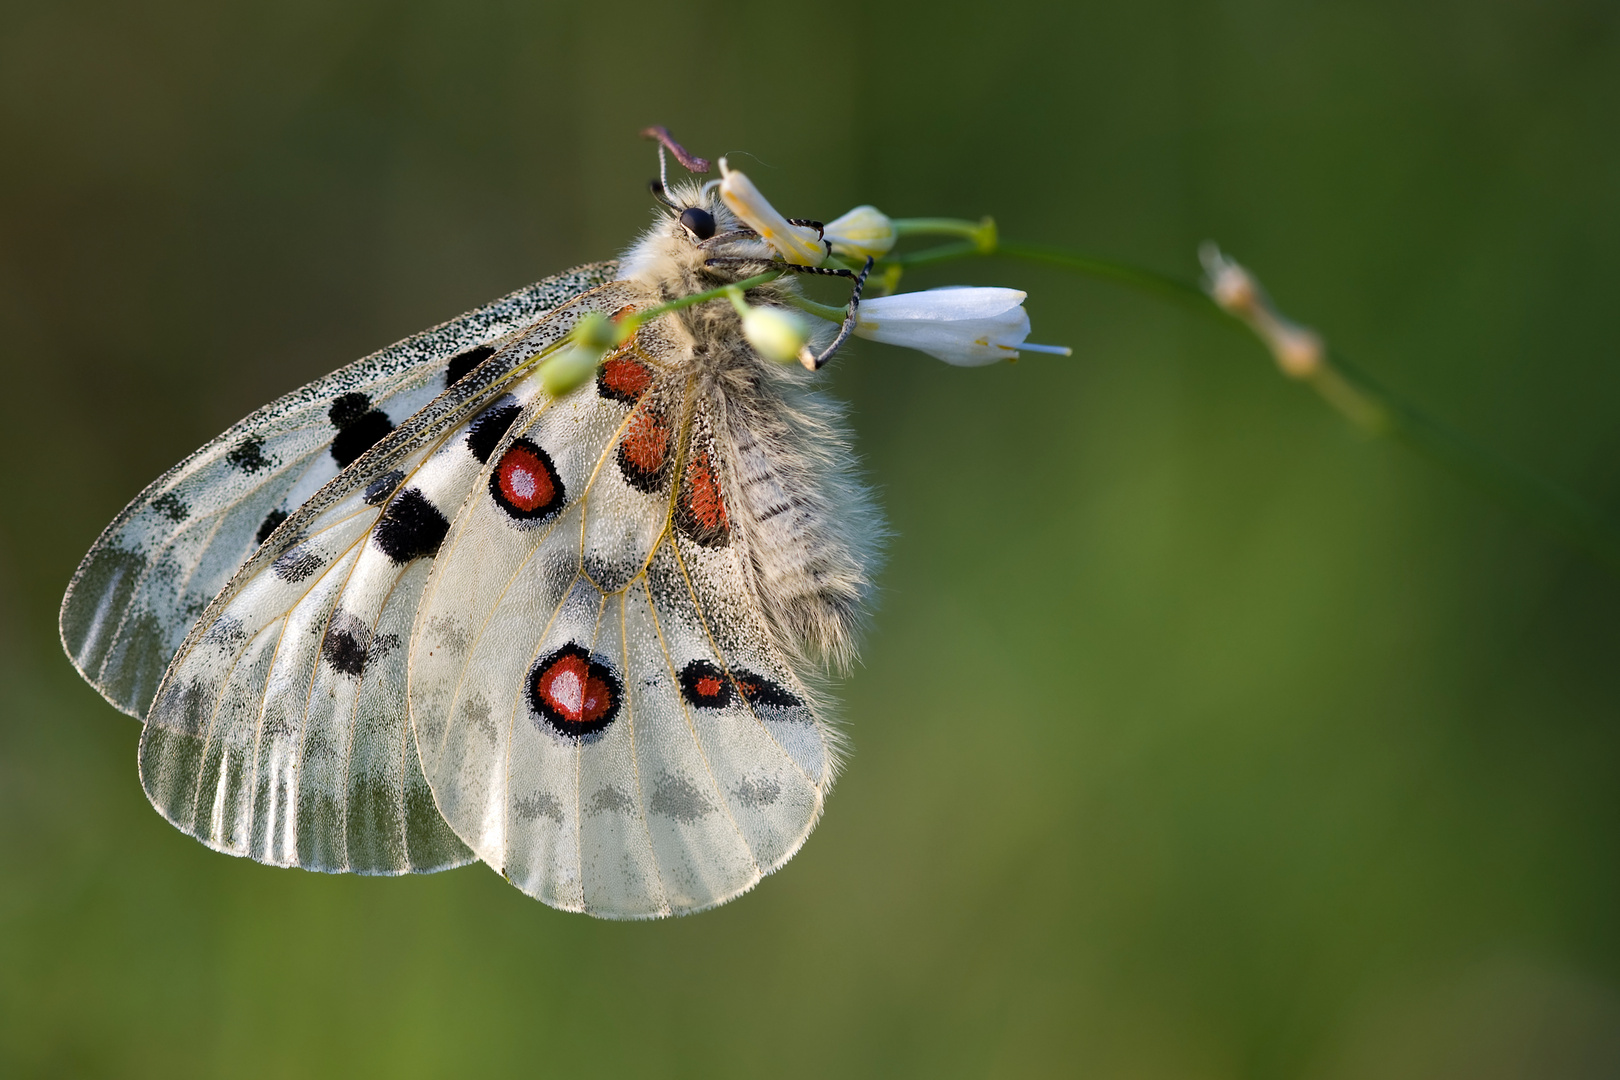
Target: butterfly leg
x,y
821,230
727,237
848,327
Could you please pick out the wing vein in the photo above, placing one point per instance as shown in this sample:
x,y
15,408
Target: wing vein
x,y
691,726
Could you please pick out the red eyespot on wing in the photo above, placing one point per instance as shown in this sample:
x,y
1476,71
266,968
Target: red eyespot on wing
x,y
701,512
761,691
643,452
705,685
525,483
573,694
623,378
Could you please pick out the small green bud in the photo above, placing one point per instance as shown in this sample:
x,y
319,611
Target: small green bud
x,y
777,334
572,366
986,236
595,331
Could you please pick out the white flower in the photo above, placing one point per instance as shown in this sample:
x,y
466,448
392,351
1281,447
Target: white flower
x,y
796,243
777,334
968,327
864,231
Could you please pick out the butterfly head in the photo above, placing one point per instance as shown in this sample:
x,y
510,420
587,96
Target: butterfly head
x,y
697,242
715,233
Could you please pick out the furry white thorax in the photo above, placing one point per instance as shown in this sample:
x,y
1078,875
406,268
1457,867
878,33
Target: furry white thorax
x,y
810,527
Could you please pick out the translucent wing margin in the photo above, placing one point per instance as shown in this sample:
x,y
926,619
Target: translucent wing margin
x,y
280,729
154,569
599,706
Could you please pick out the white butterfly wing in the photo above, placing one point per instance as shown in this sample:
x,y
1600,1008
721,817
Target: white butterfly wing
x,y
600,711
155,568
280,729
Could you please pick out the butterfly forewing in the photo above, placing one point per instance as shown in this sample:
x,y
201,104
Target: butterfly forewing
x,y
155,568
590,724
280,730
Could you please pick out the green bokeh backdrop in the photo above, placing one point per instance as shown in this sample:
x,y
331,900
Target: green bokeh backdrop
x,y
1197,736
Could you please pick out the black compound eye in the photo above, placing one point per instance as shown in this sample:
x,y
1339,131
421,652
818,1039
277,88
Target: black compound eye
x,y
698,222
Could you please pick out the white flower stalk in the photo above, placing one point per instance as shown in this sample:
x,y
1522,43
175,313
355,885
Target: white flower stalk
x,y
778,335
864,231
968,327
795,243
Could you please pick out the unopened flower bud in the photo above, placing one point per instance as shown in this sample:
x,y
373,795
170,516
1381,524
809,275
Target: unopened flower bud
x,y
777,334
864,231
571,366
795,243
595,331
1297,349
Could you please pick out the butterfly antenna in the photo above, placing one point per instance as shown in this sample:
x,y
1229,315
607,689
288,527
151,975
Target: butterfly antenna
x,y
656,186
691,162
660,187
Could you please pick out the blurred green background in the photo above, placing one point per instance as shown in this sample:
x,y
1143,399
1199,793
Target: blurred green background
x,y
1197,735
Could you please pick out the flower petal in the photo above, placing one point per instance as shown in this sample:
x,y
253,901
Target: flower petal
x,y
864,231
944,305
795,243
963,326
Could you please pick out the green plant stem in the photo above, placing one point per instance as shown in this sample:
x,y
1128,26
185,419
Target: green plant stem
x,y
1513,485
725,291
1353,393
820,311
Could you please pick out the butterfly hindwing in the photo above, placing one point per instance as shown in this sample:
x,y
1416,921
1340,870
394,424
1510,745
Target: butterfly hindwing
x,y
280,730
155,568
509,613
612,729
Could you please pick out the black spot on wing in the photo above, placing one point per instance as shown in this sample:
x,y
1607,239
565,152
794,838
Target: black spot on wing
x,y
347,409
410,527
248,455
296,564
346,644
462,363
268,525
169,505
761,691
360,427
486,431
378,490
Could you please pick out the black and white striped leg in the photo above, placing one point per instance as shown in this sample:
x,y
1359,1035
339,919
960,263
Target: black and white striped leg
x,y
727,237
812,362
775,264
746,260
849,315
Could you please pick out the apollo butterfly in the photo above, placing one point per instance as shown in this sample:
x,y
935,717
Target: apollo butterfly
x,y
423,611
